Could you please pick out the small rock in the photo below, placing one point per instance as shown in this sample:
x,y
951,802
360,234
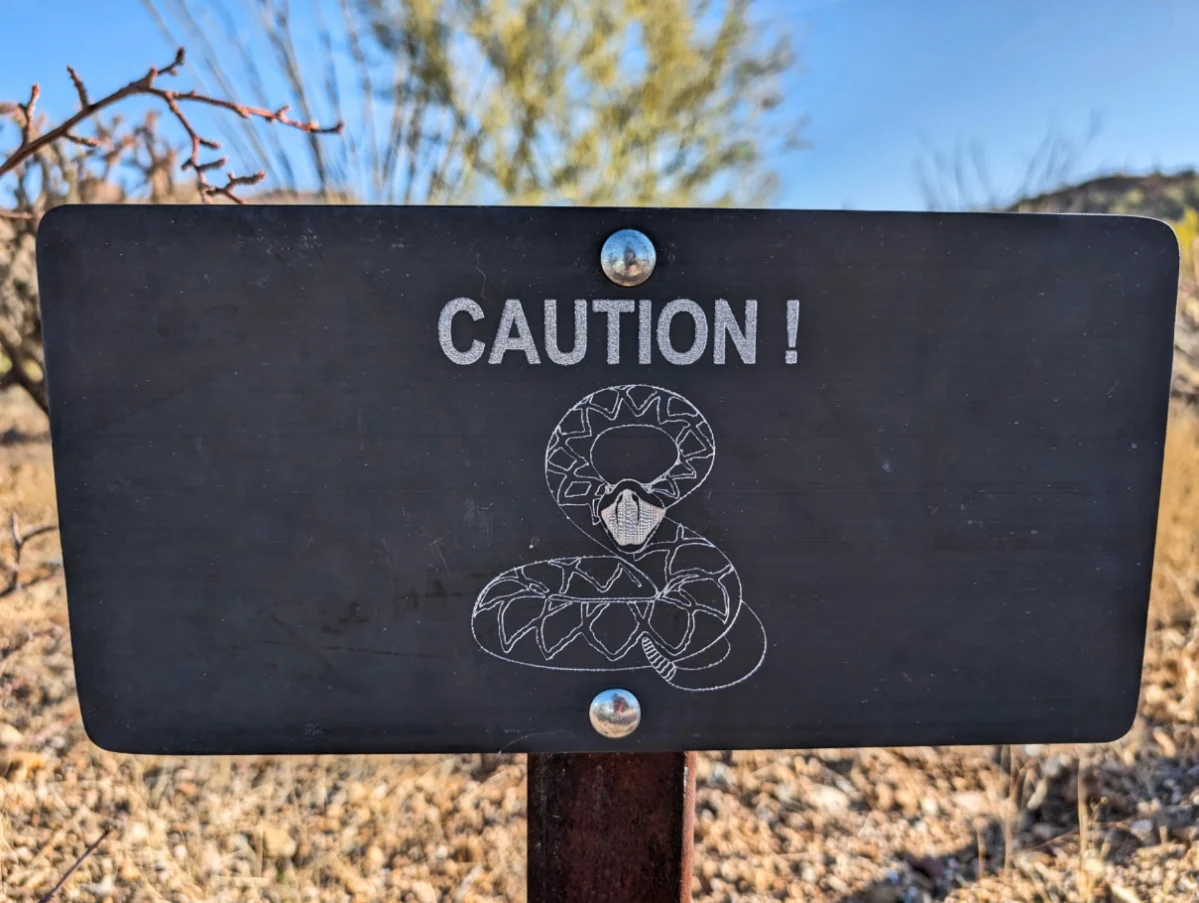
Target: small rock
x,y
883,893
972,802
1044,832
1057,766
830,799
102,888
1118,893
424,892
1166,743
1093,866
760,880
908,801
9,735
1142,828
1039,795
1188,834
928,866
277,843
210,860
19,764
885,797
721,775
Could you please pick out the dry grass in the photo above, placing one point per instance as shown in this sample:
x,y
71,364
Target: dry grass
x,y
1176,563
874,825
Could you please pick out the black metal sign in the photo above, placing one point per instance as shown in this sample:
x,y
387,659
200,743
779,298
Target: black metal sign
x,y
415,479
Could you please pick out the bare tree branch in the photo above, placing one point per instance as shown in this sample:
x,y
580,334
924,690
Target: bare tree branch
x,y
147,85
19,541
69,872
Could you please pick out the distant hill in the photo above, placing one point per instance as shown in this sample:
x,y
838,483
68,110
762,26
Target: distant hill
x,y
1158,195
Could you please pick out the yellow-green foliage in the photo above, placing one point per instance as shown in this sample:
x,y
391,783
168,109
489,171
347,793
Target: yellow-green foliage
x,y
598,103
592,102
1187,230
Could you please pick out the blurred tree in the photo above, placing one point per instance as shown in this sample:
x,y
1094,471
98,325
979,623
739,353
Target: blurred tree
x,y
522,101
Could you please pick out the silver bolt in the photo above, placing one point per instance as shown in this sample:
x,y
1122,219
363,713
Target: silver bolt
x,y
615,713
628,257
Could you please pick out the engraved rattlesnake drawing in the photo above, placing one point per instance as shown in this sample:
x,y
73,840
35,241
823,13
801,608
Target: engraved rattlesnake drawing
x,y
661,597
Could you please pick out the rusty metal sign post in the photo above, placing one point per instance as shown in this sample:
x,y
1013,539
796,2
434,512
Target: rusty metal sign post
x,y
611,827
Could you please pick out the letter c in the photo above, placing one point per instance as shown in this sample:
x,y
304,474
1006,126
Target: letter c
x,y
445,325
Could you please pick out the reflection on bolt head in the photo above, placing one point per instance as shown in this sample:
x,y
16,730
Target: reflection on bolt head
x,y
615,713
628,257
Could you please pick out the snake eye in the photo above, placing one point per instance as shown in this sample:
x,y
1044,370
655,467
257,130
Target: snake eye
x,y
630,519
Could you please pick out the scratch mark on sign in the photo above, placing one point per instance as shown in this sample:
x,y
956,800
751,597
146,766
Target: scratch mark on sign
x,y
387,562
483,289
392,653
479,517
299,641
523,737
435,545
207,460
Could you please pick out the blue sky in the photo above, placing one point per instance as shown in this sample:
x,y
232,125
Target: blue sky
x,y
884,81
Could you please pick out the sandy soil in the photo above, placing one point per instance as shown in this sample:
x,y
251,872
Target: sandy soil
x,y
1115,822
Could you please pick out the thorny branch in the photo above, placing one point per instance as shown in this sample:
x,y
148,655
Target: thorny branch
x,y
19,541
69,872
147,85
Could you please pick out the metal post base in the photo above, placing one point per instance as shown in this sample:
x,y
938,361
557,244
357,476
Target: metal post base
x,y
611,827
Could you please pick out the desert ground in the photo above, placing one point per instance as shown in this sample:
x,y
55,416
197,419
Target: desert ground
x,y
1117,822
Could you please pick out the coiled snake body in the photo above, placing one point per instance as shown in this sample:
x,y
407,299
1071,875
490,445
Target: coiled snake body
x,y
661,597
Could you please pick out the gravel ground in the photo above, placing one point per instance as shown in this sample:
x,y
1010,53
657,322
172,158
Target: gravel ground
x,y
1106,823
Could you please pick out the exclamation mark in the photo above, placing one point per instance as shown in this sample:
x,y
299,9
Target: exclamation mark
x,y
792,330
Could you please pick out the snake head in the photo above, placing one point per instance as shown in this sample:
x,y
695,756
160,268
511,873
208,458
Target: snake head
x,y
630,514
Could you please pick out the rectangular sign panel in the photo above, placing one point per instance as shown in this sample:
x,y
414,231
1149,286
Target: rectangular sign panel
x,y
358,479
